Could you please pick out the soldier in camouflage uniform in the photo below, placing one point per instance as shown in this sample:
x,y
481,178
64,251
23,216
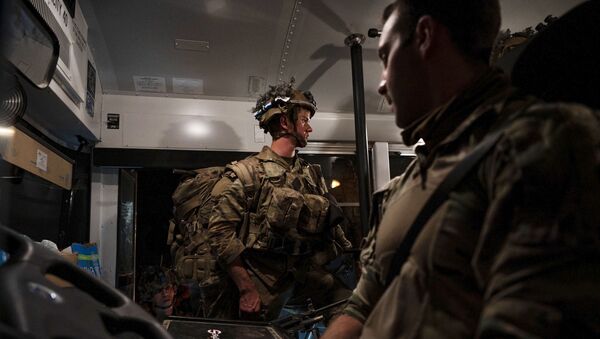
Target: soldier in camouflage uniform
x,y
291,228
514,251
156,290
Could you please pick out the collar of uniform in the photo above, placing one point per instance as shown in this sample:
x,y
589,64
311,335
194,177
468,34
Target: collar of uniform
x,y
267,154
448,121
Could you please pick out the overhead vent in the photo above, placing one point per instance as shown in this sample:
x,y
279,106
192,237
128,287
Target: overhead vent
x,y
57,15
192,45
256,85
47,50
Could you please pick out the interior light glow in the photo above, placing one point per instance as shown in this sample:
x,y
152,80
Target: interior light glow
x,y
196,129
335,183
7,131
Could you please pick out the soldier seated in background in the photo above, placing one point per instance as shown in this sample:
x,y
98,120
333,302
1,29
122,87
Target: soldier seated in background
x,y
292,226
156,291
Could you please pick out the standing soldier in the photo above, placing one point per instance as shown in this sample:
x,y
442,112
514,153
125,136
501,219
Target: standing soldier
x,y
513,252
274,229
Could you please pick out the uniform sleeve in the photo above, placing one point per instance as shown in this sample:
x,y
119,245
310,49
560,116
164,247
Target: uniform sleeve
x,y
225,218
369,287
537,259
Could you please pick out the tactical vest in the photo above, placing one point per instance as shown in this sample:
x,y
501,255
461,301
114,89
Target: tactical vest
x,y
290,212
286,214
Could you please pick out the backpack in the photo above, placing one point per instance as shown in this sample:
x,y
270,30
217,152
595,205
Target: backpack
x,y
193,257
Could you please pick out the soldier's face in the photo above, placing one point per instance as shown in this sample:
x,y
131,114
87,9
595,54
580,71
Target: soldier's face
x,y
302,127
163,300
402,82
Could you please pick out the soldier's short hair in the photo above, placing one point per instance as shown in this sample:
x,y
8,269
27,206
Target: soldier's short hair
x,y
473,24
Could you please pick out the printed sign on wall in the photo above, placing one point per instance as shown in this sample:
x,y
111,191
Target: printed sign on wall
x,y
149,84
112,121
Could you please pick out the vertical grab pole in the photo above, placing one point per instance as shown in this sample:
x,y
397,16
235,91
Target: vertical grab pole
x,y
355,41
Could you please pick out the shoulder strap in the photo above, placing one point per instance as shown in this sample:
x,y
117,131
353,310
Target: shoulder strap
x,y
436,199
244,171
251,179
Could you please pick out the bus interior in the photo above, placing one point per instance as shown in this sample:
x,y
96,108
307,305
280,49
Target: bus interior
x,y
104,103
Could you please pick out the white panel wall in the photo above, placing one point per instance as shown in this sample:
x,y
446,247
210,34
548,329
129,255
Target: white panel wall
x,y
103,219
340,127
381,164
183,123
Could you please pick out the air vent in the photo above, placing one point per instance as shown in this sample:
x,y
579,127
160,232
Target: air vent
x,y
256,85
192,45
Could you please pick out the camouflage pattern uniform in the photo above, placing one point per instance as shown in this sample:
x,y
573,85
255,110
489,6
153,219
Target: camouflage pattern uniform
x,y
514,252
288,240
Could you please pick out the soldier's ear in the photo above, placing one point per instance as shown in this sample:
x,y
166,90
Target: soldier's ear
x,y
426,33
284,121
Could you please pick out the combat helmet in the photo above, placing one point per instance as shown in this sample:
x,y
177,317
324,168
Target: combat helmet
x,y
152,279
280,99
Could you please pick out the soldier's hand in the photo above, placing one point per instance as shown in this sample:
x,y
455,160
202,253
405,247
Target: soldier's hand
x,y
249,301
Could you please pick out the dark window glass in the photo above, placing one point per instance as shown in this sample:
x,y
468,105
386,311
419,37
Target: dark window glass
x,y
399,163
340,173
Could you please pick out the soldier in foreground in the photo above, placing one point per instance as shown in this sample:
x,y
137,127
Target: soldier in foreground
x,y
275,229
514,250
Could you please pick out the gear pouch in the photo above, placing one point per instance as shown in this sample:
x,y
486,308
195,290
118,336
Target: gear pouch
x,y
284,208
314,213
201,268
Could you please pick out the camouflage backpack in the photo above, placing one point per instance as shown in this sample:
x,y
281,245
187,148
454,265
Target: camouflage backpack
x,y
192,256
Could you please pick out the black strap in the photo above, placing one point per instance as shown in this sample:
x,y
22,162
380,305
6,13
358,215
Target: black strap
x,y
436,199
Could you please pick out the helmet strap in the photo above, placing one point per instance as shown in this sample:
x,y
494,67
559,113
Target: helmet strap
x,y
300,142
